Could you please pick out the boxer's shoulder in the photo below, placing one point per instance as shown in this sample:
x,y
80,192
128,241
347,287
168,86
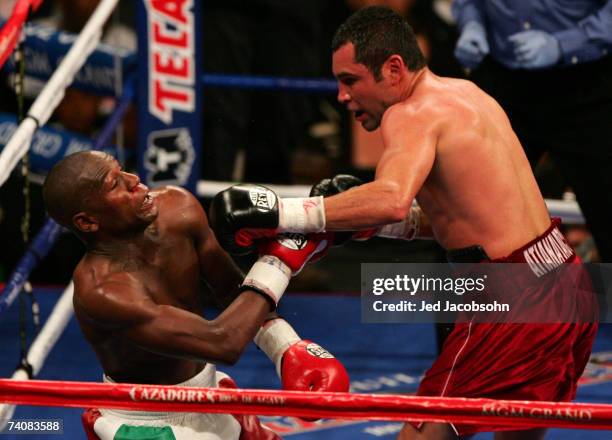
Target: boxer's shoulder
x,y
173,196
178,208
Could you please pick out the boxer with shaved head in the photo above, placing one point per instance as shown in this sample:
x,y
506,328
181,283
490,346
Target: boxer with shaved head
x,y
138,298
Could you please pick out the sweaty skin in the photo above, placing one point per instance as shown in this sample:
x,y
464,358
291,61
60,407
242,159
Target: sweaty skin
x,y
447,144
450,146
138,288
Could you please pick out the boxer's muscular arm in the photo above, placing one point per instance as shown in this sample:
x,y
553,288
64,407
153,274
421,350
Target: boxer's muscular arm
x,y
121,304
216,266
409,139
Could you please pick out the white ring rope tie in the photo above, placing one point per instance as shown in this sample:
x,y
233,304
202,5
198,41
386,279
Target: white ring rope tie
x,y
567,210
52,94
42,345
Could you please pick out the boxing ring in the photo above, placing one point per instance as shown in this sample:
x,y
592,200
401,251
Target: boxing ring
x,y
381,377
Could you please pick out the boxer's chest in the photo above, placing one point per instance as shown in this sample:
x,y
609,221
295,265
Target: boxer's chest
x,y
171,272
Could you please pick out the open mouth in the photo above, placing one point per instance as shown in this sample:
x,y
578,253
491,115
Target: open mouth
x,y
359,114
147,203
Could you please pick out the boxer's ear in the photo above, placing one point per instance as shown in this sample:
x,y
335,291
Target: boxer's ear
x,y
84,222
393,68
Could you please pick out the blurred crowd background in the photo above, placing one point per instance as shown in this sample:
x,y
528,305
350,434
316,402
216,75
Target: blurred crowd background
x,y
263,136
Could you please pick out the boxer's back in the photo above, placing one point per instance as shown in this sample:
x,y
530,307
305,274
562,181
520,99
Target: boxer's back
x,y
481,189
162,269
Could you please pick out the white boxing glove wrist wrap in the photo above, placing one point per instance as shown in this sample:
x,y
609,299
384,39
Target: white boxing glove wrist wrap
x,y
269,276
302,215
407,229
274,338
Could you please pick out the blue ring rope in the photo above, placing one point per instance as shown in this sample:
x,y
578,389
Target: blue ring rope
x,y
270,83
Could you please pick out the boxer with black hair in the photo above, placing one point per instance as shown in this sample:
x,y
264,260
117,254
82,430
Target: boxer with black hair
x,y
451,147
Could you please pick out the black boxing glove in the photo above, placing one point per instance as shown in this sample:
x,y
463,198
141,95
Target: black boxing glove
x,y
234,211
335,185
244,213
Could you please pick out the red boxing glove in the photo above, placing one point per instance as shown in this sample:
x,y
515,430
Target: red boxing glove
x,y
280,258
302,365
307,366
295,250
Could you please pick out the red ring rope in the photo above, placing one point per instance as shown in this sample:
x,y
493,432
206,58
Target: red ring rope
x,y
9,34
514,413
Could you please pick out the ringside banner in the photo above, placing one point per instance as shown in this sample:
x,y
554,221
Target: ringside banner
x,y
102,73
494,293
49,145
168,70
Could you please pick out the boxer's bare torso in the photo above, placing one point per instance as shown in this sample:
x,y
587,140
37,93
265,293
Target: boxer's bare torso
x,y
480,189
162,267
132,294
450,146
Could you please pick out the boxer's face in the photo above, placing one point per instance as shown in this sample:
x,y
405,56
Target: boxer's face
x,y
358,89
117,200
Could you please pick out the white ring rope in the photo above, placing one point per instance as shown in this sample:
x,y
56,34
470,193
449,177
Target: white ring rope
x,y
53,91
567,210
42,345
208,189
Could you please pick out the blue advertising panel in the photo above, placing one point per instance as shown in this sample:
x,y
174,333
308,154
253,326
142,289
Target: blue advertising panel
x,y
168,92
49,145
102,73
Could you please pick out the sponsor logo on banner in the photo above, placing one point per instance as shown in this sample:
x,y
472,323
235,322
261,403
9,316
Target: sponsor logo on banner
x,y
102,73
517,410
262,198
166,394
169,156
48,145
171,58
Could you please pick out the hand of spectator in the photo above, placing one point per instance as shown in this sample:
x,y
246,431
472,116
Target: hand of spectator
x,y
472,45
535,49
